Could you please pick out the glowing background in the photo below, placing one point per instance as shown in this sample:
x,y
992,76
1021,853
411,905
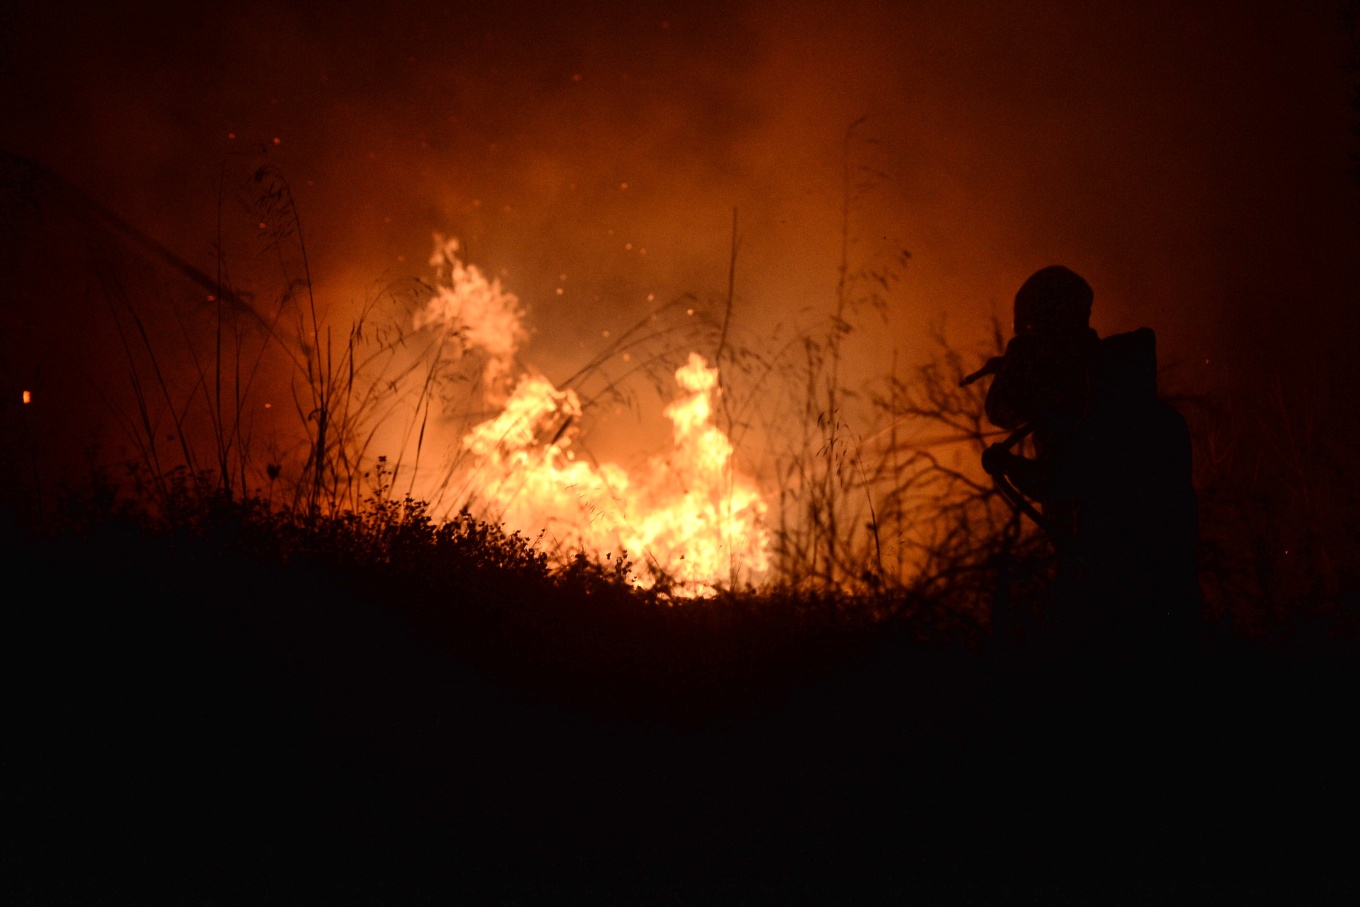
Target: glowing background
x,y
1193,162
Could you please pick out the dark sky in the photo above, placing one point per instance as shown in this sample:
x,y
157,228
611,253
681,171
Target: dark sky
x,y
1192,160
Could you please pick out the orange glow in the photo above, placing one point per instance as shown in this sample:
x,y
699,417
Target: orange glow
x,y
687,514
28,397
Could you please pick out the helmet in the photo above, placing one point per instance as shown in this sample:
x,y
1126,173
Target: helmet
x,y
1053,300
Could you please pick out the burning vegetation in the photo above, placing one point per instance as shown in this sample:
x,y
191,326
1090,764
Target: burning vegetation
x,y
687,516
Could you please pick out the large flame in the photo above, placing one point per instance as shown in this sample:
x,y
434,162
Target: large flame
x,y
687,515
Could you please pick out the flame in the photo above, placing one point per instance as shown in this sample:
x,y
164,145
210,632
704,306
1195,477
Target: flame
x,y
477,313
688,516
709,521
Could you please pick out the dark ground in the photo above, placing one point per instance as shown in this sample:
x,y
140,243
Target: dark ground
x,y
185,728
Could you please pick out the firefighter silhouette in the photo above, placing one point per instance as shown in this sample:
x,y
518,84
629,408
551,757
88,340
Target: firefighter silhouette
x,y
1111,470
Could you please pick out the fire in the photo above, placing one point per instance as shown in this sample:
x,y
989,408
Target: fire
x,y
475,312
688,515
709,520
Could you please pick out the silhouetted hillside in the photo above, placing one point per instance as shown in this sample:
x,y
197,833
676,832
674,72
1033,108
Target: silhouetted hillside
x,y
195,718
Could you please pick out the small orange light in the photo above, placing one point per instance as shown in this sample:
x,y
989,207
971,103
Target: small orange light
x,y
28,397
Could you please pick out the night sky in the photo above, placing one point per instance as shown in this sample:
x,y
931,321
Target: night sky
x,y
1192,161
